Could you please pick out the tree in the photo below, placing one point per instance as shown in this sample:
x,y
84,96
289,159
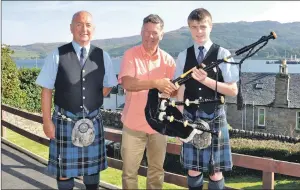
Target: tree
x,y
10,88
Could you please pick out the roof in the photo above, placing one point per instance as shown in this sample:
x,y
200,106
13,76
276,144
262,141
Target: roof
x,y
259,89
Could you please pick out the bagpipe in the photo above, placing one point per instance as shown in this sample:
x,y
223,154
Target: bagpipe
x,y
163,116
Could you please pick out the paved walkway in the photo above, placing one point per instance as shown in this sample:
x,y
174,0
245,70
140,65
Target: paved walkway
x,y
19,171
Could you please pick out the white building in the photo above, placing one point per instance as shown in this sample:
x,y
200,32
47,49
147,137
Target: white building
x,y
115,99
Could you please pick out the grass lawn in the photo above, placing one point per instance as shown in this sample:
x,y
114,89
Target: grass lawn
x,y
248,182
110,175
113,176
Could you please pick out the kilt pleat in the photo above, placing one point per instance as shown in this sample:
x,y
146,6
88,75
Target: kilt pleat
x,y
195,159
67,160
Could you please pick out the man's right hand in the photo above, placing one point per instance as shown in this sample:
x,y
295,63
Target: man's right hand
x,y
165,86
49,129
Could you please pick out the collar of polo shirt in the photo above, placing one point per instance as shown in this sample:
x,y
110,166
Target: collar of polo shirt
x,y
146,55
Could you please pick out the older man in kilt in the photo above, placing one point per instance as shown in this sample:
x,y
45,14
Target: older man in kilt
x,y
212,84
82,74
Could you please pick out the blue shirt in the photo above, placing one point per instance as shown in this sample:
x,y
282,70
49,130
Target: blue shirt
x,y
230,72
48,73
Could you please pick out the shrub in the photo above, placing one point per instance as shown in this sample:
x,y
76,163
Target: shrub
x,y
267,148
27,78
10,88
263,148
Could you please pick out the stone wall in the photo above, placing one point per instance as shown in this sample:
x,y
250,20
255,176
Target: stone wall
x,y
237,133
280,121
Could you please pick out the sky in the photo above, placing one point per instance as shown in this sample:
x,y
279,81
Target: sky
x,y
31,22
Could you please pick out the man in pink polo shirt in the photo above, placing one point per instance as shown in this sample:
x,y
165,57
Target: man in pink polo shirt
x,y
144,67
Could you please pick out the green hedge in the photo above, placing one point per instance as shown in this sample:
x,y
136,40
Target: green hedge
x,y
263,148
10,87
18,85
267,148
27,78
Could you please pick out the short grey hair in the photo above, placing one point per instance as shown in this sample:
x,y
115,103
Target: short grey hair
x,y
155,19
77,13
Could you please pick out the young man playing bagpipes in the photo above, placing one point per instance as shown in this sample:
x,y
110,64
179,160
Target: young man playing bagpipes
x,y
213,84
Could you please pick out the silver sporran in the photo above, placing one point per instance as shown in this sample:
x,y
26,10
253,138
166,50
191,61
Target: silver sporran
x,y
83,133
203,140
199,138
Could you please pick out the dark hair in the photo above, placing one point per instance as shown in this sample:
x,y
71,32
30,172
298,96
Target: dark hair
x,y
199,15
155,19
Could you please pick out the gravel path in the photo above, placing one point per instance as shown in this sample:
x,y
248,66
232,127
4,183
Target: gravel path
x,y
31,126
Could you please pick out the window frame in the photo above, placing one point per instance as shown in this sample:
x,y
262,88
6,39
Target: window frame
x,y
297,120
121,91
258,116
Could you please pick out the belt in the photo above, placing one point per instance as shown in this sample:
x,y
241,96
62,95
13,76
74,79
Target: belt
x,y
61,116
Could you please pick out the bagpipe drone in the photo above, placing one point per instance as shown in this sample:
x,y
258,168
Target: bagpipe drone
x,y
164,117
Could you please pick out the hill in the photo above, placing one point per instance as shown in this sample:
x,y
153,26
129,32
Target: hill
x,y
232,36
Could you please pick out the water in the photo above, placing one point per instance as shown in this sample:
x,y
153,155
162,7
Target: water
x,y
30,63
260,66
256,66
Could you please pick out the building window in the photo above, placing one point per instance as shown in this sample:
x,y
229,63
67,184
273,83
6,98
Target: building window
x,y
120,90
298,120
261,116
259,86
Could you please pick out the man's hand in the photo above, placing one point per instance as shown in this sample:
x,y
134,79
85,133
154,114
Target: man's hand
x,y
199,74
165,86
49,129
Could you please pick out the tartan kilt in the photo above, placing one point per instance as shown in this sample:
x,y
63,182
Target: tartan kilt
x,y
195,159
67,160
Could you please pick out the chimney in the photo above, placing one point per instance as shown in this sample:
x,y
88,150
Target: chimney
x,y
282,85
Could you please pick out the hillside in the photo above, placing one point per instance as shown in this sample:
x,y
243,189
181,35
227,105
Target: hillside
x,y
232,36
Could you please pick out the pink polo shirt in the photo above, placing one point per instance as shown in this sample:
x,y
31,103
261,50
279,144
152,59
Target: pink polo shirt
x,y
137,63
